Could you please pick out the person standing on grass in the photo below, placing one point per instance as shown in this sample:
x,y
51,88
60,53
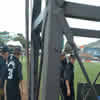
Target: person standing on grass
x,y
15,77
3,69
62,69
67,85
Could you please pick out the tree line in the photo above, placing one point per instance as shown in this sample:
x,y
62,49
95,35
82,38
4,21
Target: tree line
x,y
5,37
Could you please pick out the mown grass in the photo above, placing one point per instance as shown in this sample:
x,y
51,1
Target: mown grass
x,y
24,67
92,70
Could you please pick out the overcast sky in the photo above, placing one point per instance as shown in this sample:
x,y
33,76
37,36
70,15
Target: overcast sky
x,y
12,15
12,18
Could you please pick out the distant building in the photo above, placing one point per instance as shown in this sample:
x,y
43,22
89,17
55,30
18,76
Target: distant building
x,y
95,52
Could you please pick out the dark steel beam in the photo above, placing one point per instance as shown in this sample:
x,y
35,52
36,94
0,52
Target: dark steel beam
x,y
38,21
81,11
40,18
68,33
85,33
34,52
27,38
36,9
74,10
75,31
51,61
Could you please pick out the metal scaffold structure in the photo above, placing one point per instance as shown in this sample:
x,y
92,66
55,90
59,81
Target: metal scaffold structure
x,y
47,30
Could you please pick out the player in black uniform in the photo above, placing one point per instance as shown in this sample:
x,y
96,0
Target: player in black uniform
x,y
63,89
67,78
3,69
14,76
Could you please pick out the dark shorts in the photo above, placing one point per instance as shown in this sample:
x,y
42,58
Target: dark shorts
x,y
2,98
13,94
64,91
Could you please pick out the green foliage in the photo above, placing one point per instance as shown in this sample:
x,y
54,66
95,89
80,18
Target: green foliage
x,y
4,36
4,33
1,41
20,38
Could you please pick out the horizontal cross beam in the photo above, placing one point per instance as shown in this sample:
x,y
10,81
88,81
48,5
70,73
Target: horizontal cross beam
x,y
85,33
75,10
81,11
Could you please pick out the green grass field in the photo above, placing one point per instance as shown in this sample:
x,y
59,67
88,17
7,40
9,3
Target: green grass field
x,y
92,70
24,68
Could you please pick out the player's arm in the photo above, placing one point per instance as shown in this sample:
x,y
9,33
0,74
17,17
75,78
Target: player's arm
x,y
5,84
23,89
68,87
21,86
20,78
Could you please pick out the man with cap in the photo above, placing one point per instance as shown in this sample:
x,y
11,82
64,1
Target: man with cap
x,y
14,76
68,76
3,69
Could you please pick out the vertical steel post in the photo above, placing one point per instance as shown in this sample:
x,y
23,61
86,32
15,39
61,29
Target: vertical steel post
x,y
34,51
27,34
52,49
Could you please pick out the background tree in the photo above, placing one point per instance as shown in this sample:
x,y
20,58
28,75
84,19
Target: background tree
x,y
4,37
20,38
1,41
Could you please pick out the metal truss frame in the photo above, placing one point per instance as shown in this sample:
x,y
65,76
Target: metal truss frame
x,y
52,25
